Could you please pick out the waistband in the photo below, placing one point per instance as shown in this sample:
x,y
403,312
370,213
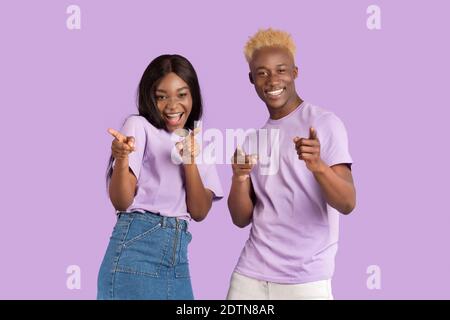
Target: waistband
x,y
166,222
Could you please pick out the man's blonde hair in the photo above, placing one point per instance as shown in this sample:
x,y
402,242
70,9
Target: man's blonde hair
x,y
268,38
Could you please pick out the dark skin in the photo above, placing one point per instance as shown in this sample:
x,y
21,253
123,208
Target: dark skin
x,y
173,98
273,73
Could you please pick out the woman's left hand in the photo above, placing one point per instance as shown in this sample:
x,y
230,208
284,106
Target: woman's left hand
x,y
189,148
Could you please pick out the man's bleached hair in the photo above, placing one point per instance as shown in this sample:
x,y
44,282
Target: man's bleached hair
x,y
268,38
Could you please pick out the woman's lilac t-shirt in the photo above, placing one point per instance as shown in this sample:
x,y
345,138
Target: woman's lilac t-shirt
x,y
160,180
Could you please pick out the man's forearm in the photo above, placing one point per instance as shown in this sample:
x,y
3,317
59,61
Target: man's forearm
x,y
339,192
240,203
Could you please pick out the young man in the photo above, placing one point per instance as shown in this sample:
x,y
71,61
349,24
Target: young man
x,y
294,210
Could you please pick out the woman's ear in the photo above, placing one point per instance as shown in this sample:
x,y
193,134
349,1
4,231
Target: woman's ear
x,y
250,77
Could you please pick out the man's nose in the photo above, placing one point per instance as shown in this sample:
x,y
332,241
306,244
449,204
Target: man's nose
x,y
274,79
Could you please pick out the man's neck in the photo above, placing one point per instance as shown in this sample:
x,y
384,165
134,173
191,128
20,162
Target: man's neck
x,y
286,109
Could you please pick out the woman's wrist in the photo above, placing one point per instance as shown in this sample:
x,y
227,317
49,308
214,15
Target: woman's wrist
x,y
239,178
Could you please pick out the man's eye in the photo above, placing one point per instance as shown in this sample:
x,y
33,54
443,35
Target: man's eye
x,y
262,73
281,70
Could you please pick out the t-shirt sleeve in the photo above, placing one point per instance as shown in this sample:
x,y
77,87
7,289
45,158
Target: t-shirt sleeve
x,y
210,179
134,127
333,140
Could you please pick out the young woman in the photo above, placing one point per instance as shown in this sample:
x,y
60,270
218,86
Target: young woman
x,y
155,195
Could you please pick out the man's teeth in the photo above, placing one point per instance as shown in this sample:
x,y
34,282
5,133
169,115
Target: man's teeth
x,y
275,92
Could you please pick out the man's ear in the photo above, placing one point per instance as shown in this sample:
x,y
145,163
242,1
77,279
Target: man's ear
x,y
295,72
250,77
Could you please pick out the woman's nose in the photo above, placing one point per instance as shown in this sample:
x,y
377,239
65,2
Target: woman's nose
x,y
172,102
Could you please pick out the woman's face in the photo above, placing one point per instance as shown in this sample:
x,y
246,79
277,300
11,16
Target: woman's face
x,y
174,101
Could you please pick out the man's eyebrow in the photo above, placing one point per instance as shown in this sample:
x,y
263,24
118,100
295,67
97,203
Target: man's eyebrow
x,y
278,65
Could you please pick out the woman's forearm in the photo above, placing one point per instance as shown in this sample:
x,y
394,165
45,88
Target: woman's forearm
x,y
198,199
122,186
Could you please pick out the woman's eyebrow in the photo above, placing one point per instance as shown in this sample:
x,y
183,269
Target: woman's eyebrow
x,y
179,89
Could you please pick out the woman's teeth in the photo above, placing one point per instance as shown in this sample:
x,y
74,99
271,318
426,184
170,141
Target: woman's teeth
x,y
275,92
174,115
173,118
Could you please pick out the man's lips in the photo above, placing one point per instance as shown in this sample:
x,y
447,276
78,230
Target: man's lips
x,y
274,92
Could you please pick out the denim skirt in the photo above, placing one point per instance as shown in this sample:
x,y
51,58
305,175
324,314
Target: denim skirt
x,y
146,258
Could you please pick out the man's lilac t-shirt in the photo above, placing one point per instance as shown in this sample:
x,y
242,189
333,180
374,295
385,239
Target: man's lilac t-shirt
x,y
160,180
294,233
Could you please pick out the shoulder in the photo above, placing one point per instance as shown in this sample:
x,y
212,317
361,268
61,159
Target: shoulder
x,y
314,112
322,117
138,127
138,122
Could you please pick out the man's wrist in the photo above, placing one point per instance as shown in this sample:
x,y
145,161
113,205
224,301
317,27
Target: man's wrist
x,y
121,164
321,168
189,165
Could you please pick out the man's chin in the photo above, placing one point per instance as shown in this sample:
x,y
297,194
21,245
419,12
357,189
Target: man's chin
x,y
275,106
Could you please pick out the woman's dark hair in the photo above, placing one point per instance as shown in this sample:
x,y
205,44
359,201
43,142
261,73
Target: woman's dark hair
x,y
146,99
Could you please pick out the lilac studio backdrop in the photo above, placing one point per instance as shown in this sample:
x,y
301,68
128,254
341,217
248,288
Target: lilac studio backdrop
x,y
62,88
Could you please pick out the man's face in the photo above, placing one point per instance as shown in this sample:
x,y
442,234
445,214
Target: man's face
x,y
272,71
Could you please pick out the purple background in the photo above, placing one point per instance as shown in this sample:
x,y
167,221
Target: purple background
x,y
61,90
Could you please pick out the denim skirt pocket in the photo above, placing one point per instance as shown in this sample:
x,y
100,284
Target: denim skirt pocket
x,y
143,248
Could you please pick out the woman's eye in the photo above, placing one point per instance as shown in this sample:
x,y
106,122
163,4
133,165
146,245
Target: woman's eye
x,y
182,95
160,98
